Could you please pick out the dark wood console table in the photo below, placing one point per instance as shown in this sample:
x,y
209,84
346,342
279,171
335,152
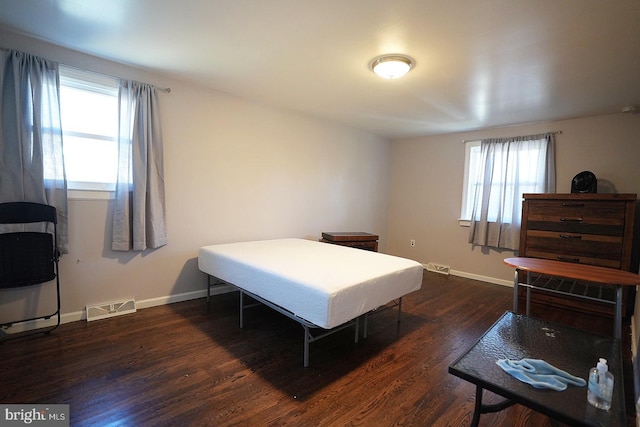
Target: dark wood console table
x,y
549,269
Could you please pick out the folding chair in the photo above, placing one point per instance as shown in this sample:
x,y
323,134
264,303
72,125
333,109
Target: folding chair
x,y
29,258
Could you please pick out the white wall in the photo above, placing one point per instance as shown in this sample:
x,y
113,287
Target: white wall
x,y
234,171
427,175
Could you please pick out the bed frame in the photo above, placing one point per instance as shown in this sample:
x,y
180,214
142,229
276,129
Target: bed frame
x,y
318,259
309,328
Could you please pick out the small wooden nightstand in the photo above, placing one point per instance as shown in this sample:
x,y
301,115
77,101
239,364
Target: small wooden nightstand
x,y
353,239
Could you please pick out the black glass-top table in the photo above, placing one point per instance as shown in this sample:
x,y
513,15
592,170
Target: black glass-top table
x,y
516,336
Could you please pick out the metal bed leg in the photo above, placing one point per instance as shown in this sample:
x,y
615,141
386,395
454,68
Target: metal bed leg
x,y
208,292
306,346
366,325
241,309
399,309
357,329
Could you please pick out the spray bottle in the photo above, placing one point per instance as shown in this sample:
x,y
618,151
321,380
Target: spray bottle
x,y
600,387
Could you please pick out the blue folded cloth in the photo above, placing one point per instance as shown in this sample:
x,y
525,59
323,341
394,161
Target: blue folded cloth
x,y
540,374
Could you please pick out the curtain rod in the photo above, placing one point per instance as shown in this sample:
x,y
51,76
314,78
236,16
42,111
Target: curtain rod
x,y
161,89
555,132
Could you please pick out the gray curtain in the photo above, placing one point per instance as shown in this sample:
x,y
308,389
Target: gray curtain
x,y
510,168
31,156
139,210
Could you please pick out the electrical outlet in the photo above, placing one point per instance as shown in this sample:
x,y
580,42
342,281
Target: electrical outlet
x,y
412,242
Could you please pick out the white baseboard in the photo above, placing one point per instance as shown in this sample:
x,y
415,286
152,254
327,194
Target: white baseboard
x,y
495,281
170,299
82,315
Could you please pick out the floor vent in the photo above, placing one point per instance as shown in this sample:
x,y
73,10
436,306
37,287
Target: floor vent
x,y
438,268
110,309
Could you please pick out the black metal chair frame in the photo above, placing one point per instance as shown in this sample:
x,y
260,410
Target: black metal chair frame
x,y
28,257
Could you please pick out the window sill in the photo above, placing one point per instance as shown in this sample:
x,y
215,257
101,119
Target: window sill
x,y
464,222
90,195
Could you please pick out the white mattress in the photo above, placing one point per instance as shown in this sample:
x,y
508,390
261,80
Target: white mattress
x,y
322,283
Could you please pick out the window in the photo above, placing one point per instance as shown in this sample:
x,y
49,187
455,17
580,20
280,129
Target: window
x,y
471,170
530,160
89,113
507,168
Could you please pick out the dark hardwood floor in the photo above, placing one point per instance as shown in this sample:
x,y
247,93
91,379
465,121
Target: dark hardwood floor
x,y
184,365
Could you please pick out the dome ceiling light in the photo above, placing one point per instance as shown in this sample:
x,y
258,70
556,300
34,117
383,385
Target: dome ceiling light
x,y
392,66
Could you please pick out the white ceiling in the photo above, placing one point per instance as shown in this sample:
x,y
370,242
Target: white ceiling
x,y
480,63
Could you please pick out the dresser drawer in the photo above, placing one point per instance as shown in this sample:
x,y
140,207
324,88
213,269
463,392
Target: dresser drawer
x,y
559,256
583,217
592,249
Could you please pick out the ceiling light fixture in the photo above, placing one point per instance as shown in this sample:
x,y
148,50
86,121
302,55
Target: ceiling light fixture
x,y
391,66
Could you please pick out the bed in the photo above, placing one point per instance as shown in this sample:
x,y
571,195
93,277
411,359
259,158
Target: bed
x,y
323,287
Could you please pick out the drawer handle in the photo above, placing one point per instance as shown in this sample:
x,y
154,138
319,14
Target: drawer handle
x,y
567,259
573,205
570,236
571,219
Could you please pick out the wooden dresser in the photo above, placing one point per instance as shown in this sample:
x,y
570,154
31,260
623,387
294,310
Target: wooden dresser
x,y
594,229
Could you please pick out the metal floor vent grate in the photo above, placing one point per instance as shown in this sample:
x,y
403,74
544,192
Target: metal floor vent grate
x,y
438,268
110,309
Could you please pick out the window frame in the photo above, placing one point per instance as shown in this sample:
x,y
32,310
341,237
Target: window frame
x,y
465,210
102,84
473,152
